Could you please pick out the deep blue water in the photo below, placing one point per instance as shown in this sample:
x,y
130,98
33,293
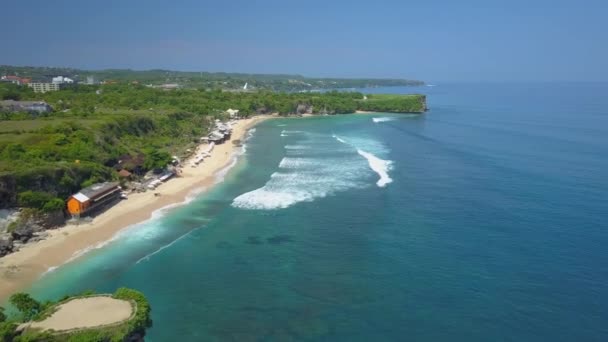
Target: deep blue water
x,y
492,229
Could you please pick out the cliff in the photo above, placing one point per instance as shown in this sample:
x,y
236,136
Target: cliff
x,y
393,103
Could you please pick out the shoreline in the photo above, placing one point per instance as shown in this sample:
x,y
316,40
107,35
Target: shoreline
x,y
21,269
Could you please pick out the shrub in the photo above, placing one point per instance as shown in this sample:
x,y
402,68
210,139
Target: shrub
x,y
55,204
27,306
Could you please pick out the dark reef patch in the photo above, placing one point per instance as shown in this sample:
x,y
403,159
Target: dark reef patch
x,y
279,239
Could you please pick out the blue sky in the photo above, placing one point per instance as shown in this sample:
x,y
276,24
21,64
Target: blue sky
x,y
534,40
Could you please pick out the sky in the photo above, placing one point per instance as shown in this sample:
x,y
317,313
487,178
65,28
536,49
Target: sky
x,y
466,40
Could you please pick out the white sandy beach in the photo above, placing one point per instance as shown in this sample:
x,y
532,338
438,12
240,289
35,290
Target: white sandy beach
x,y
20,269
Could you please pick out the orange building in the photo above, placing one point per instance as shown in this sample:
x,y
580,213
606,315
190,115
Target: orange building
x,y
92,198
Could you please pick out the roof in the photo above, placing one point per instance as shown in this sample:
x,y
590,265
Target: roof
x,y
124,173
80,197
96,190
216,135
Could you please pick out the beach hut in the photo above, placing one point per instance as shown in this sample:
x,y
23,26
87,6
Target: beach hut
x,y
93,197
217,137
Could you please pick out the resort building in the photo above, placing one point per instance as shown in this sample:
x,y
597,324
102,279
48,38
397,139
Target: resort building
x,y
93,198
40,87
62,80
90,80
233,113
217,137
15,80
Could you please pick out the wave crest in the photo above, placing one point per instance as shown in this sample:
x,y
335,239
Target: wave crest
x,y
383,119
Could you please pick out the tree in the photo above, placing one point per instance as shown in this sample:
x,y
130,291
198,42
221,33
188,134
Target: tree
x,y
155,159
2,315
7,331
28,306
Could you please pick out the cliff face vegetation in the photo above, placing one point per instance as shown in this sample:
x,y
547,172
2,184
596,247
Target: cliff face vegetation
x,y
394,103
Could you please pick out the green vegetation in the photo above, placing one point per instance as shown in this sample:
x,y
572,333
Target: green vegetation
x,y
394,103
27,306
142,318
207,80
30,309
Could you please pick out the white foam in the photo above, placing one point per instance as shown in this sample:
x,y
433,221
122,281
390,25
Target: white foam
x,y
380,166
263,198
49,270
383,119
294,162
297,147
318,167
147,257
323,171
339,139
234,158
86,250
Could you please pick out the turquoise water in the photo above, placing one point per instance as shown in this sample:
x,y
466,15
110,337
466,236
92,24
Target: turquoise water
x,y
483,220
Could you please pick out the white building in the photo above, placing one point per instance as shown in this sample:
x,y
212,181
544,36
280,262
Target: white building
x,y
62,80
234,113
44,87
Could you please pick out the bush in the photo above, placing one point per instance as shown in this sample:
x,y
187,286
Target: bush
x,y
142,319
27,306
55,204
40,200
33,199
7,331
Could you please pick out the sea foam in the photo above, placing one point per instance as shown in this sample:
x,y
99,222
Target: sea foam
x,y
313,168
383,119
380,166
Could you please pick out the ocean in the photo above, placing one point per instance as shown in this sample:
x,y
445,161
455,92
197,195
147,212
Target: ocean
x,y
484,219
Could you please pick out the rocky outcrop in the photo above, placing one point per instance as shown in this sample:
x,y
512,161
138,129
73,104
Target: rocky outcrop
x,y
304,109
8,191
27,228
6,244
24,230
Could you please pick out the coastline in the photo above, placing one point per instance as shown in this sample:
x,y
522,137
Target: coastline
x,y
21,269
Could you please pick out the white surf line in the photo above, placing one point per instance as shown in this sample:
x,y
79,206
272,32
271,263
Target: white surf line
x,y
379,166
382,119
147,257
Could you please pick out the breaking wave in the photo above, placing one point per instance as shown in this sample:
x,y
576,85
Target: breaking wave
x,y
313,168
380,166
383,119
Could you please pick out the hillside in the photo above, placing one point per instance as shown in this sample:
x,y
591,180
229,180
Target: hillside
x,y
207,80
